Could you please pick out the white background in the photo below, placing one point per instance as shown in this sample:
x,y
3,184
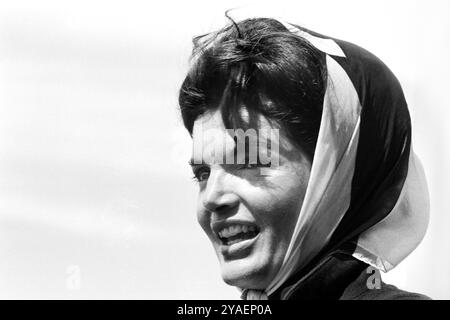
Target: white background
x,y
96,198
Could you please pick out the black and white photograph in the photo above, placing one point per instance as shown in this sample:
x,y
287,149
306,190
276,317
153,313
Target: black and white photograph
x,y
224,150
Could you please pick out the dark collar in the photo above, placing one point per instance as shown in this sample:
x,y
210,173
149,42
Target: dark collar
x,y
326,281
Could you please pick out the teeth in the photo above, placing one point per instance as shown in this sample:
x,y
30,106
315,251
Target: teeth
x,y
234,230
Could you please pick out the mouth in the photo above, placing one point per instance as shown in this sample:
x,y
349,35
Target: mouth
x,y
237,232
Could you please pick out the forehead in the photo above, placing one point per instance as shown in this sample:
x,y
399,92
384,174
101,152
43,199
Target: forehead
x,y
213,142
212,120
209,128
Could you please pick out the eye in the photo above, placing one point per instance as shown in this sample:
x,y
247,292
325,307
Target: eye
x,y
201,173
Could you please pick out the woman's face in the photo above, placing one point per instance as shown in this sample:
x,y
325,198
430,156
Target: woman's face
x,y
249,217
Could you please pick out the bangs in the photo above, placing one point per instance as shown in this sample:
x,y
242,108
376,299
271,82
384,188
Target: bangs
x,y
260,66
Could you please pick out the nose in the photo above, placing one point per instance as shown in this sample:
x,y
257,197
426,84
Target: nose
x,y
219,195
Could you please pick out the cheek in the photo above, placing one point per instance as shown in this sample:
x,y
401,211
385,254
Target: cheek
x,y
203,217
278,206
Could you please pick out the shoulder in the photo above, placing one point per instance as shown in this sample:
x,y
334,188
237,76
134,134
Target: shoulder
x,y
389,292
363,289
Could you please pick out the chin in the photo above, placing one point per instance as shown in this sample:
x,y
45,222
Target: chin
x,y
247,275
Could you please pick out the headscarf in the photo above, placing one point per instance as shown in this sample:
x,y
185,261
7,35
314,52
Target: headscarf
x,y
367,187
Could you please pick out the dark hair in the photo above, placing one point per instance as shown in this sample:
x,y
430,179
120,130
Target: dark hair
x,y
262,66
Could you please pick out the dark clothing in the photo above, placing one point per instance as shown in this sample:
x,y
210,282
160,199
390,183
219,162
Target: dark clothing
x,y
359,290
343,277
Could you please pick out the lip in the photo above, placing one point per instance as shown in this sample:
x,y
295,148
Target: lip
x,y
219,225
238,249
